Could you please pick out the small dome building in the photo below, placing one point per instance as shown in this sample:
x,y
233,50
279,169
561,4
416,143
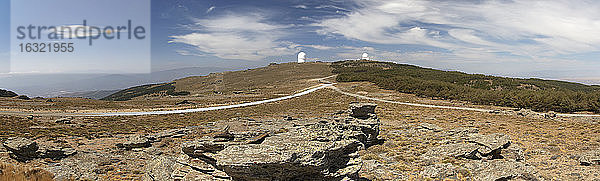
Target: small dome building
x,y
365,56
301,57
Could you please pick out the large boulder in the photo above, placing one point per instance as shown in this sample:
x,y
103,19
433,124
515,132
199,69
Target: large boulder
x,y
21,149
135,141
321,149
362,110
491,144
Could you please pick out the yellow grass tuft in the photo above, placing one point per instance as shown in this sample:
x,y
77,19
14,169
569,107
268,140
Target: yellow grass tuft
x,y
12,172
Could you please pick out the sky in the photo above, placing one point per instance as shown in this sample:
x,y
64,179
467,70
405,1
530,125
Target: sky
x,y
550,39
92,53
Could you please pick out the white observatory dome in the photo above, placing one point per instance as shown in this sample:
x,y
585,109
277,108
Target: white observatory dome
x,y
365,56
301,57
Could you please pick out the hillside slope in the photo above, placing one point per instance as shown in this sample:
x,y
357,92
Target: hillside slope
x,y
536,94
272,79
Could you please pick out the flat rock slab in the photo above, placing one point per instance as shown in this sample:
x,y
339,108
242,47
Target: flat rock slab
x,y
135,141
590,158
21,149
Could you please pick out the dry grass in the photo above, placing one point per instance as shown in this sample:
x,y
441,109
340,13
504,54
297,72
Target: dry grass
x,y
214,89
540,139
11,172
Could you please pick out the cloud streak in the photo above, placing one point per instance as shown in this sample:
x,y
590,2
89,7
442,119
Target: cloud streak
x,y
524,28
244,37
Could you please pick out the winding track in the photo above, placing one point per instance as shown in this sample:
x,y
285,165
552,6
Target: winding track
x,y
324,84
307,91
445,107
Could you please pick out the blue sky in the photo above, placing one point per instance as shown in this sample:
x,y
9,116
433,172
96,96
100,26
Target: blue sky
x,y
554,39
116,55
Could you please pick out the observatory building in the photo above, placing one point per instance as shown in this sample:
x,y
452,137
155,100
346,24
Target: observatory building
x,y
365,56
301,57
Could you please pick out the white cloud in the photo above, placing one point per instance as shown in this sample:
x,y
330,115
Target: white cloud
x,y
331,7
319,47
300,6
534,29
210,9
245,37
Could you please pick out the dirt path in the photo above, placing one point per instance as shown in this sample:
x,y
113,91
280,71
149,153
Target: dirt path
x,y
445,107
312,89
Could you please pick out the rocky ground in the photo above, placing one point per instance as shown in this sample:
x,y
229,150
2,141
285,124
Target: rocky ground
x,y
320,148
312,137
353,144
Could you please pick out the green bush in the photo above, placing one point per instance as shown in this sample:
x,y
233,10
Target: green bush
x,y
6,93
128,94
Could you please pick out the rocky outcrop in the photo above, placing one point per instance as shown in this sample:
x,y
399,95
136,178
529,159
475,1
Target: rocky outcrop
x,y
590,158
500,170
23,149
480,157
135,141
182,168
172,133
144,141
56,152
64,120
362,110
324,149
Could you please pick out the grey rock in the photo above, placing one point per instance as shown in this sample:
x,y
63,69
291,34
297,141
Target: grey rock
x,y
440,171
590,158
431,127
135,141
362,110
81,166
258,139
323,151
172,133
500,170
56,153
195,148
21,149
492,144
525,112
63,120
181,168
456,150
161,168
475,147
224,135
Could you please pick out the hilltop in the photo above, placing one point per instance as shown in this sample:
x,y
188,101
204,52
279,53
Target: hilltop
x,y
286,76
